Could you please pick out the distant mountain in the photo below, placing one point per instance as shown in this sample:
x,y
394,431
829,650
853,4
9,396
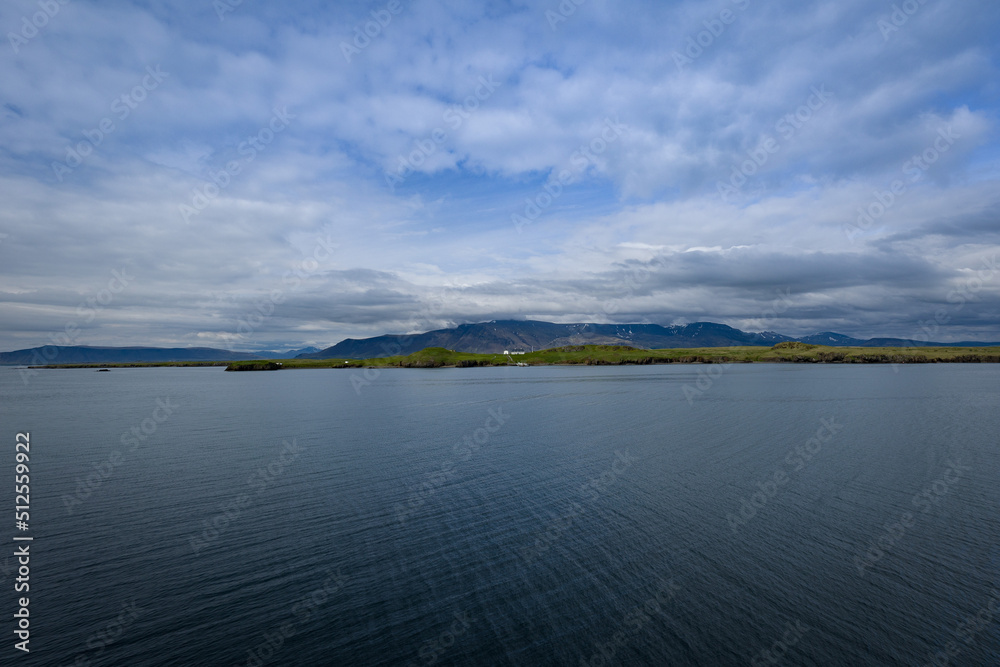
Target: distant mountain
x,y
524,335
839,340
84,354
286,354
485,338
832,339
517,335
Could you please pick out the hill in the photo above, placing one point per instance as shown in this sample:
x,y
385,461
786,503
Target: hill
x,y
85,354
492,337
525,335
600,355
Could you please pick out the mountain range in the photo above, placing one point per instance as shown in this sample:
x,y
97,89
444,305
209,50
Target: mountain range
x,y
526,335
86,354
492,337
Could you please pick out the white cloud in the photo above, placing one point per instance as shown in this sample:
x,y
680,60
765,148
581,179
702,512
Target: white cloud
x,y
446,234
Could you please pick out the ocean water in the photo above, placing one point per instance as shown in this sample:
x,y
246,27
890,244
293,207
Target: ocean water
x,y
667,515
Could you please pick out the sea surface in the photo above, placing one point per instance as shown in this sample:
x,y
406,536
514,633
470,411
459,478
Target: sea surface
x,y
651,515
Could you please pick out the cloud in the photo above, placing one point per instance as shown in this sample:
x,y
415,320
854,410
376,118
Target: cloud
x,y
508,102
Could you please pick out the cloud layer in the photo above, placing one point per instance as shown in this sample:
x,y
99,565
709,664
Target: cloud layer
x,y
264,176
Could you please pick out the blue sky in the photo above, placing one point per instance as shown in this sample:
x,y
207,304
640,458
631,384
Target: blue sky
x,y
263,176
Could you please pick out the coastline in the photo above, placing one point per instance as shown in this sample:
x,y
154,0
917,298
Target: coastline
x,y
608,355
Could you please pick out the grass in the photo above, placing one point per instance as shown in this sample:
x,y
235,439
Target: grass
x,y
594,355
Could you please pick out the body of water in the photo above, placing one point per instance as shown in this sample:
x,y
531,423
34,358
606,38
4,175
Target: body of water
x,y
666,515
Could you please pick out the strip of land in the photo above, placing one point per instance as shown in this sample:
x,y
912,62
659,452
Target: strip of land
x,y
603,355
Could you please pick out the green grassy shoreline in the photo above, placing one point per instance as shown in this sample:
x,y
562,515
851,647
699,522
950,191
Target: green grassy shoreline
x,y
603,355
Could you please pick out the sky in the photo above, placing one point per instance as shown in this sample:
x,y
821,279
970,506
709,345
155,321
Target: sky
x,y
260,176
